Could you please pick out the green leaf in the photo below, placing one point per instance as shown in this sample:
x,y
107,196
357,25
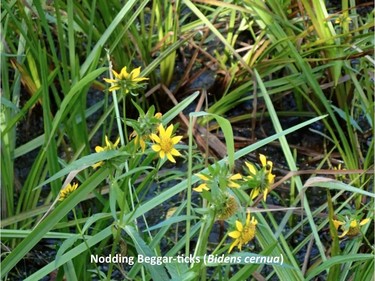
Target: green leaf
x,y
172,113
158,272
83,163
76,251
334,184
170,221
337,260
227,131
71,98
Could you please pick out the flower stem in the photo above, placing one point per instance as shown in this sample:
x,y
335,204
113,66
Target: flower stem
x,y
115,102
190,171
124,116
84,240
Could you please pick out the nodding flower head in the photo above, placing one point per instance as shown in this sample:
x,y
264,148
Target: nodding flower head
x,y
126,81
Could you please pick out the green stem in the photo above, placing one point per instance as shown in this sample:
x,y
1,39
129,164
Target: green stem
x,y
201,247
190,169
117,225
84,240
124,115
115,102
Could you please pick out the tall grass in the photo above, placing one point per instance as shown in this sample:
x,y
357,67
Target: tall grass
x,y
54,56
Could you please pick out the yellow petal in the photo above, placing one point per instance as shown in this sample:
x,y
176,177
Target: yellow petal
x,y
175,152
344,233
161,131
248,219
176,139
265,194
239,225
162,154
95,166
114,88
107,142
363,222
99,149
263,159
155,138
135,73
337,223
236,177
116,142
124,74
201,187
270,165
118,76
271,178
170,158
169,131
233,184
108,80
234,244
139,79
203,177
142,144
251,168
156,147
254,193
234,234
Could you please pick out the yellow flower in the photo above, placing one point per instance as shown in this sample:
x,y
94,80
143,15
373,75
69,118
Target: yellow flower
x,y
109,146
66,191
340,177
343,19
351,227
125,80
165,143
202,186
264,177
244,233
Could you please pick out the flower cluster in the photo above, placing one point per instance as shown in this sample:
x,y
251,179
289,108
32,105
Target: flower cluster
x,y
148,126
218,186
126,82
259,180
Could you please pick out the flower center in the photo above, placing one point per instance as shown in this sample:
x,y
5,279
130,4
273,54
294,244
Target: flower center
x,y
248,233
166,144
